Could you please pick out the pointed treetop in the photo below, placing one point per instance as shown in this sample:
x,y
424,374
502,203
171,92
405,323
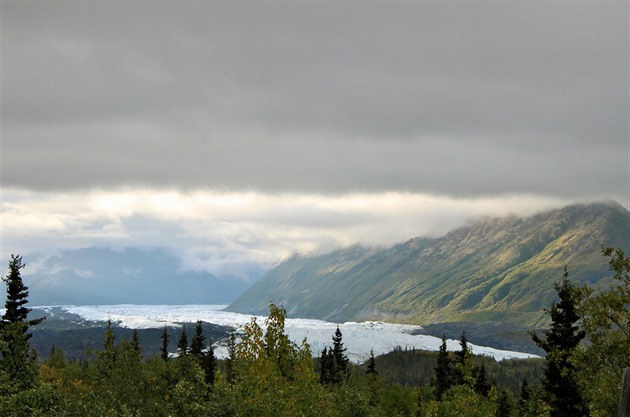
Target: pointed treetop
x,y
371,369
17,296
182,344
135,341
164,348
197,341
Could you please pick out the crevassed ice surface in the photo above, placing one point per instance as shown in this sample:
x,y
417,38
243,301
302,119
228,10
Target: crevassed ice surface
x,y
358,338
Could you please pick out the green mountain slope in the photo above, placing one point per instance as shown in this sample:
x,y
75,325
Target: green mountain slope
x,y
493,270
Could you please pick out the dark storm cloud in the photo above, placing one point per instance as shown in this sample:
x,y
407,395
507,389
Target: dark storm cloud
x,y
454,98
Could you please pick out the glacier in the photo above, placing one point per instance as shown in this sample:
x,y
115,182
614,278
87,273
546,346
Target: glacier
x,y
358,338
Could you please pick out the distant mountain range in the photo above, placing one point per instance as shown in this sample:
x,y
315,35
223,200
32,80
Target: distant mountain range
x,y
500,269
128,276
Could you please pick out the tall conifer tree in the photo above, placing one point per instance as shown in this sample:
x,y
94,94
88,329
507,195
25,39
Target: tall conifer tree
x,y
561,340
164,348
209,364
182,344
524,397
443,371
333,362
135,342
371,369
463,371
340,359
15,310
17,361
481,381
326,365
197,341
230,370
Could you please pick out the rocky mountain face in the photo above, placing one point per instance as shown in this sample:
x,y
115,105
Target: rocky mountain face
x,y
500,270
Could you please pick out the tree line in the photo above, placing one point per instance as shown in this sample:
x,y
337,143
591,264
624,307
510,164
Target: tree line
x,y
587,347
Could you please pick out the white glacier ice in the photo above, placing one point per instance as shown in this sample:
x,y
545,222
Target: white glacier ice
x,y
358,338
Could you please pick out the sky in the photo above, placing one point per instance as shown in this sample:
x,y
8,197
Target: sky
x,y
243,132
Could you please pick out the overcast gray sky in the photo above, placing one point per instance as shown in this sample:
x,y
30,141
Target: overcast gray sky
x,y
249,130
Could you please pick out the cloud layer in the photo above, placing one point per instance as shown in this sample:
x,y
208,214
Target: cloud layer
x,y
238,132
462,99
221,232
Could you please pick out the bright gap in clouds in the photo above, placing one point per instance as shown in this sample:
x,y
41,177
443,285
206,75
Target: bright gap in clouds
x,y
220,231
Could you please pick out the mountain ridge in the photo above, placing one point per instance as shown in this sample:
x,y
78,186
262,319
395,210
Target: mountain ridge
x,y
499,269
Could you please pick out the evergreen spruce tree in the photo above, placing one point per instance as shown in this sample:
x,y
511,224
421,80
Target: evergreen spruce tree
x,y
443,371
463,370
524,398
110,337
197,341
135,342
107,359
204,356
561,340
164,348
326,365
182,344
230,370
340,359
482,386
209,364
371,369
15,310
18,363
334,362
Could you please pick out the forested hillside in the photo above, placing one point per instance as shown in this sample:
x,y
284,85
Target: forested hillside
x,y
499,269
266,374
